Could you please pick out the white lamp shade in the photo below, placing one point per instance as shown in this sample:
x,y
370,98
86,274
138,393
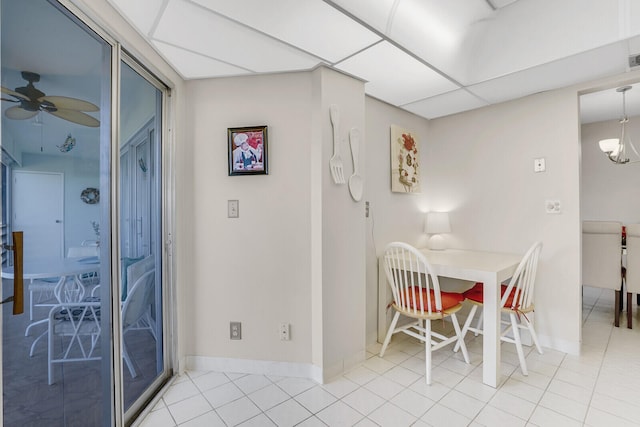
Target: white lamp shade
x,y
437,222
611,145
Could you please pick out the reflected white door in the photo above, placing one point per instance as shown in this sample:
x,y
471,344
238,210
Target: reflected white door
x,y
38,209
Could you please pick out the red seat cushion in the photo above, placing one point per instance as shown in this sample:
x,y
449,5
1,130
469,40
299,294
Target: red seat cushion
x,y
475,294
449,299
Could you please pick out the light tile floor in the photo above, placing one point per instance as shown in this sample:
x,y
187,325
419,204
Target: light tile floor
x,y
601,387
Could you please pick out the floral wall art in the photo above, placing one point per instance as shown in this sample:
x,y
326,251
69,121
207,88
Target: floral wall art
x,y
405,170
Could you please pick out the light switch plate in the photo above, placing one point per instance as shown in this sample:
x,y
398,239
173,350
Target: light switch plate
x,y
233,209
539,165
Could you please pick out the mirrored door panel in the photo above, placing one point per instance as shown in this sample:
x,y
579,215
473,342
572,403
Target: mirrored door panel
x,y
140,234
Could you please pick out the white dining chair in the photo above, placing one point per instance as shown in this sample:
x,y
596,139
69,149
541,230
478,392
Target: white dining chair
x,y
417,295
602,258
633,268
517,300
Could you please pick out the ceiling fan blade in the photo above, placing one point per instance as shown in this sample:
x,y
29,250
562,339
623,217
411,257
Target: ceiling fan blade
x,y
17,113
75,117
67,103
14,93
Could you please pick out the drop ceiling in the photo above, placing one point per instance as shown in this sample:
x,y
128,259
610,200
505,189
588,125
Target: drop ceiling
x,y
430,57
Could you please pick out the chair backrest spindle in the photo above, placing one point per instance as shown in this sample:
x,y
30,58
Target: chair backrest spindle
x,y
414,288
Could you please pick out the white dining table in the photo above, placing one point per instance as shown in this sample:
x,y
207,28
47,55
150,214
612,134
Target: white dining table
x,y
60,268
55,267
490,268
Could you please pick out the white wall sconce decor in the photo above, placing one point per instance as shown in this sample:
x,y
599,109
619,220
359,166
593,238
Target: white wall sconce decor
x,y
437,223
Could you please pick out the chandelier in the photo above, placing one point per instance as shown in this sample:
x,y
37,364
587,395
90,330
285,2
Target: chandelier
x,y
616,148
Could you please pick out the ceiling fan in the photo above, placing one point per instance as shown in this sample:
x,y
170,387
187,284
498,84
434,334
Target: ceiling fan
x,y
32,101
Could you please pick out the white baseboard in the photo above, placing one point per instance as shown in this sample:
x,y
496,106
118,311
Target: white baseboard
x,y
264,367
258,367
570,347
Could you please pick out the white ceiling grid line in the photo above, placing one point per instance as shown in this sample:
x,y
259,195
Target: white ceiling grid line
x,y
394,76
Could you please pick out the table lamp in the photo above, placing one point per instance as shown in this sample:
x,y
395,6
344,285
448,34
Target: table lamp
x,y
437,223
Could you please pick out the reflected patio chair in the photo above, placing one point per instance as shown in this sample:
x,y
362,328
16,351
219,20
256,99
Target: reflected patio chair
x,y
516,301
74,329
136,313
41,291
416,294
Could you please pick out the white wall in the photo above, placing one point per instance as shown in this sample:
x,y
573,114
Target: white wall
x,y
479,166
609,191
341,274
483,165
295,253
393,216
254,269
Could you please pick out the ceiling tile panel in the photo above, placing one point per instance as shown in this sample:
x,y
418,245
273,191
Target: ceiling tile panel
x,y
597,63
142,14
447,103
199,30
547,30
394,76
312,25
194,66
435,30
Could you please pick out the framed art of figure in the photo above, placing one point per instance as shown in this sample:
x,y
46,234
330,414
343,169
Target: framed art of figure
x,y
405,170
248,151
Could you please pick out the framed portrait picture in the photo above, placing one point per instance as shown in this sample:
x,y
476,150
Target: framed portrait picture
x,y
248,154
405,170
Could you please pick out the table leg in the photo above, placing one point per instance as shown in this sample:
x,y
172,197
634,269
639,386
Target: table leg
x,y
491,333
382,302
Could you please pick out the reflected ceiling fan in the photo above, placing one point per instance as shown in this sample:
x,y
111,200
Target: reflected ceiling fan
x,y
32,101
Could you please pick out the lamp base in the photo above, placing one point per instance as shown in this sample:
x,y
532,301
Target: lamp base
x,y
436,242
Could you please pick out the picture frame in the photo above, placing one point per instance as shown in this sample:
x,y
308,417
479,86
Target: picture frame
x,y
248,150
405,168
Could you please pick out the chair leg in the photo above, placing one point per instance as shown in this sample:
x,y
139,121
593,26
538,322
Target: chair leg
x,y
389,333
460,342
479,324
616,308
629,310
518,342
127,360
427,350
467,323
533,334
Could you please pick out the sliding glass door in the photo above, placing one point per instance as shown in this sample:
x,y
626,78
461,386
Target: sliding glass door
x,y
89,348
140,232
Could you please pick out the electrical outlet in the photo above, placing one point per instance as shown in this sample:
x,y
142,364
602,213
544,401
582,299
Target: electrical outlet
x,y
285,332
366,209
235,330
233,209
